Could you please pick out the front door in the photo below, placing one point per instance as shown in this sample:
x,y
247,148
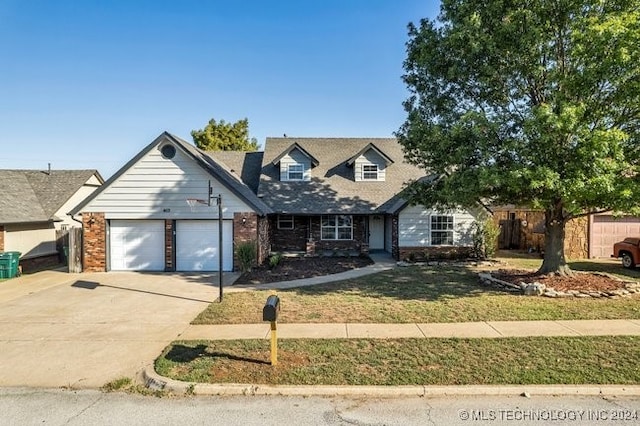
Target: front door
x,y
376,232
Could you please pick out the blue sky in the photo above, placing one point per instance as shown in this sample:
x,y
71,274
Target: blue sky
x,y
88,84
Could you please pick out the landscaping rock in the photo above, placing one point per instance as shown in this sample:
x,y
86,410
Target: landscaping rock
x,y
534,289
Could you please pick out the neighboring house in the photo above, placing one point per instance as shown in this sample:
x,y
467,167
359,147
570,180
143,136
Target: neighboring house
x,y
300,194
34,206
585,237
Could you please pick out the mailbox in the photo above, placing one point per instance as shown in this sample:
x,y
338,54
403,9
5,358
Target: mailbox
x,y
271,308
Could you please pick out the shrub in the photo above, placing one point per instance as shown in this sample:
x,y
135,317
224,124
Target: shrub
x,y
485,239
274,260
246,253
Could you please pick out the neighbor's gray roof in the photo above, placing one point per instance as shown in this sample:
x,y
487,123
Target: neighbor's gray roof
x,y
35,195
332,188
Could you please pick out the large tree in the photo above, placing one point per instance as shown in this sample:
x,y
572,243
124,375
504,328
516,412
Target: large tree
x,y
534,103
225,136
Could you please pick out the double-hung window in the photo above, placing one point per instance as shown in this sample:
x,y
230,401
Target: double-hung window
x,y
295,172
369,172
337,227
441,230
285,221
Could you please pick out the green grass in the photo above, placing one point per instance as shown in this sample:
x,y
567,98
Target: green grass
x,y
412,294
535,360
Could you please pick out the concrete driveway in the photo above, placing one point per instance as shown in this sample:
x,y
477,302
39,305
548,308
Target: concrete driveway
x,y
84,330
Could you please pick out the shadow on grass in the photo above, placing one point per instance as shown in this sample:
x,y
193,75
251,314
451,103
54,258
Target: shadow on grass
x,y
428,283
186,354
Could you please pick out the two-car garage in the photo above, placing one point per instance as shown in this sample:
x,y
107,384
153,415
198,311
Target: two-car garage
x,y
140,245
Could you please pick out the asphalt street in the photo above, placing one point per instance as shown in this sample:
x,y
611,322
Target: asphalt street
x,y
90,407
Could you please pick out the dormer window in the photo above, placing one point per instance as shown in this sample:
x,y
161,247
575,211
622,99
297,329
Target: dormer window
x,y
295,172
369,172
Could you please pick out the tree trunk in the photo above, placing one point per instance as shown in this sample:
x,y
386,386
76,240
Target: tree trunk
x,y
554,260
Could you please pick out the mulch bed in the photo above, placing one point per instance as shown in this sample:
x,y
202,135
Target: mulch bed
x,y
581,281
293,268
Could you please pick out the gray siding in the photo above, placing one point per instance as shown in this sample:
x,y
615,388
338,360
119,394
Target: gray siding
x,y
414,226
295,157
369,157
158,188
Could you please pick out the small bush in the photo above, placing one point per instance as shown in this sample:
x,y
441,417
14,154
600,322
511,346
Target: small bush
x,y
485,239
274,260
246,253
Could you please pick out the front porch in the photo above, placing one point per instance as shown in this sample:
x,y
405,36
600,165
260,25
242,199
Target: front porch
x,y
327,235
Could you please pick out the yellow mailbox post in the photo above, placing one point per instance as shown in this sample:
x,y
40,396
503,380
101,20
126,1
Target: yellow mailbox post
x,y
270,313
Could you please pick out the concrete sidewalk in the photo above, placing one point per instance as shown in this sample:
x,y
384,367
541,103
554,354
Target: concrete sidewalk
x,y
484,329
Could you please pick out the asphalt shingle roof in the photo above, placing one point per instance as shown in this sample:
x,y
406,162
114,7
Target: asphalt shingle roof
x,y
245,165
332,188
36,195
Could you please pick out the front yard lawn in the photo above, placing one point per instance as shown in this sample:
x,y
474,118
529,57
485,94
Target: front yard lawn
x,y
534,360
419,294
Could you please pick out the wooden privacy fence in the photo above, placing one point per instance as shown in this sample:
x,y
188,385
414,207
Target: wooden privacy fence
x,y
69,244
509,234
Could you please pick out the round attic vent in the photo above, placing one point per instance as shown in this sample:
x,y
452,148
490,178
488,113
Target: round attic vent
x,y
168,151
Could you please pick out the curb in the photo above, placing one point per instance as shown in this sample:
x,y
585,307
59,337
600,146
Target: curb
x,y
154,381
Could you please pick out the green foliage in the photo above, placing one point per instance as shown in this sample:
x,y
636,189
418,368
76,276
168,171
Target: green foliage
x,y
529,103
274,260
223,136
485,239
246,253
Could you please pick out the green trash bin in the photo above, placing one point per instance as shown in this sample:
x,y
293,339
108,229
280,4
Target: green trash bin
x,y
9,264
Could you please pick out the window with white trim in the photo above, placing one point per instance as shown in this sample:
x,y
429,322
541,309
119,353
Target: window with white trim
x,y
337,227
285,221
295,172
369,172
441,230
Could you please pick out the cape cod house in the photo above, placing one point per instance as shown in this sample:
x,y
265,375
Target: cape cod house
x,y
312,195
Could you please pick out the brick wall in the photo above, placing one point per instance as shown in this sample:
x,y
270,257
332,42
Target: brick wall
x,y
309,227
434,253
289,239
395,253
94,242
1,238
168,246
39,263
245,229
264,239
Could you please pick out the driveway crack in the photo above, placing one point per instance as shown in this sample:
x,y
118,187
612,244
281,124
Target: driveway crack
x,y
81,412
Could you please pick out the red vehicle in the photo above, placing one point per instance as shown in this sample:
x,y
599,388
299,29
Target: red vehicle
x,y
629,250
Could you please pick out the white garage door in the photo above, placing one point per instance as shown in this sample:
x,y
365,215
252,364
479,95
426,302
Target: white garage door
x,y
137,245
197,245
607,230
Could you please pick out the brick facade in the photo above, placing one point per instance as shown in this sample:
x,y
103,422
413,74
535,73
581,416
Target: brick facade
x,y
307,229
39,263
290,239
94,244
395,249
245,229
169,254
1,238
264,239
434,253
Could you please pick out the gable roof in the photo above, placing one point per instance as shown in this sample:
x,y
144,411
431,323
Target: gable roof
x,y
242,164
294,146
36,196
372,147
332,188
220,172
